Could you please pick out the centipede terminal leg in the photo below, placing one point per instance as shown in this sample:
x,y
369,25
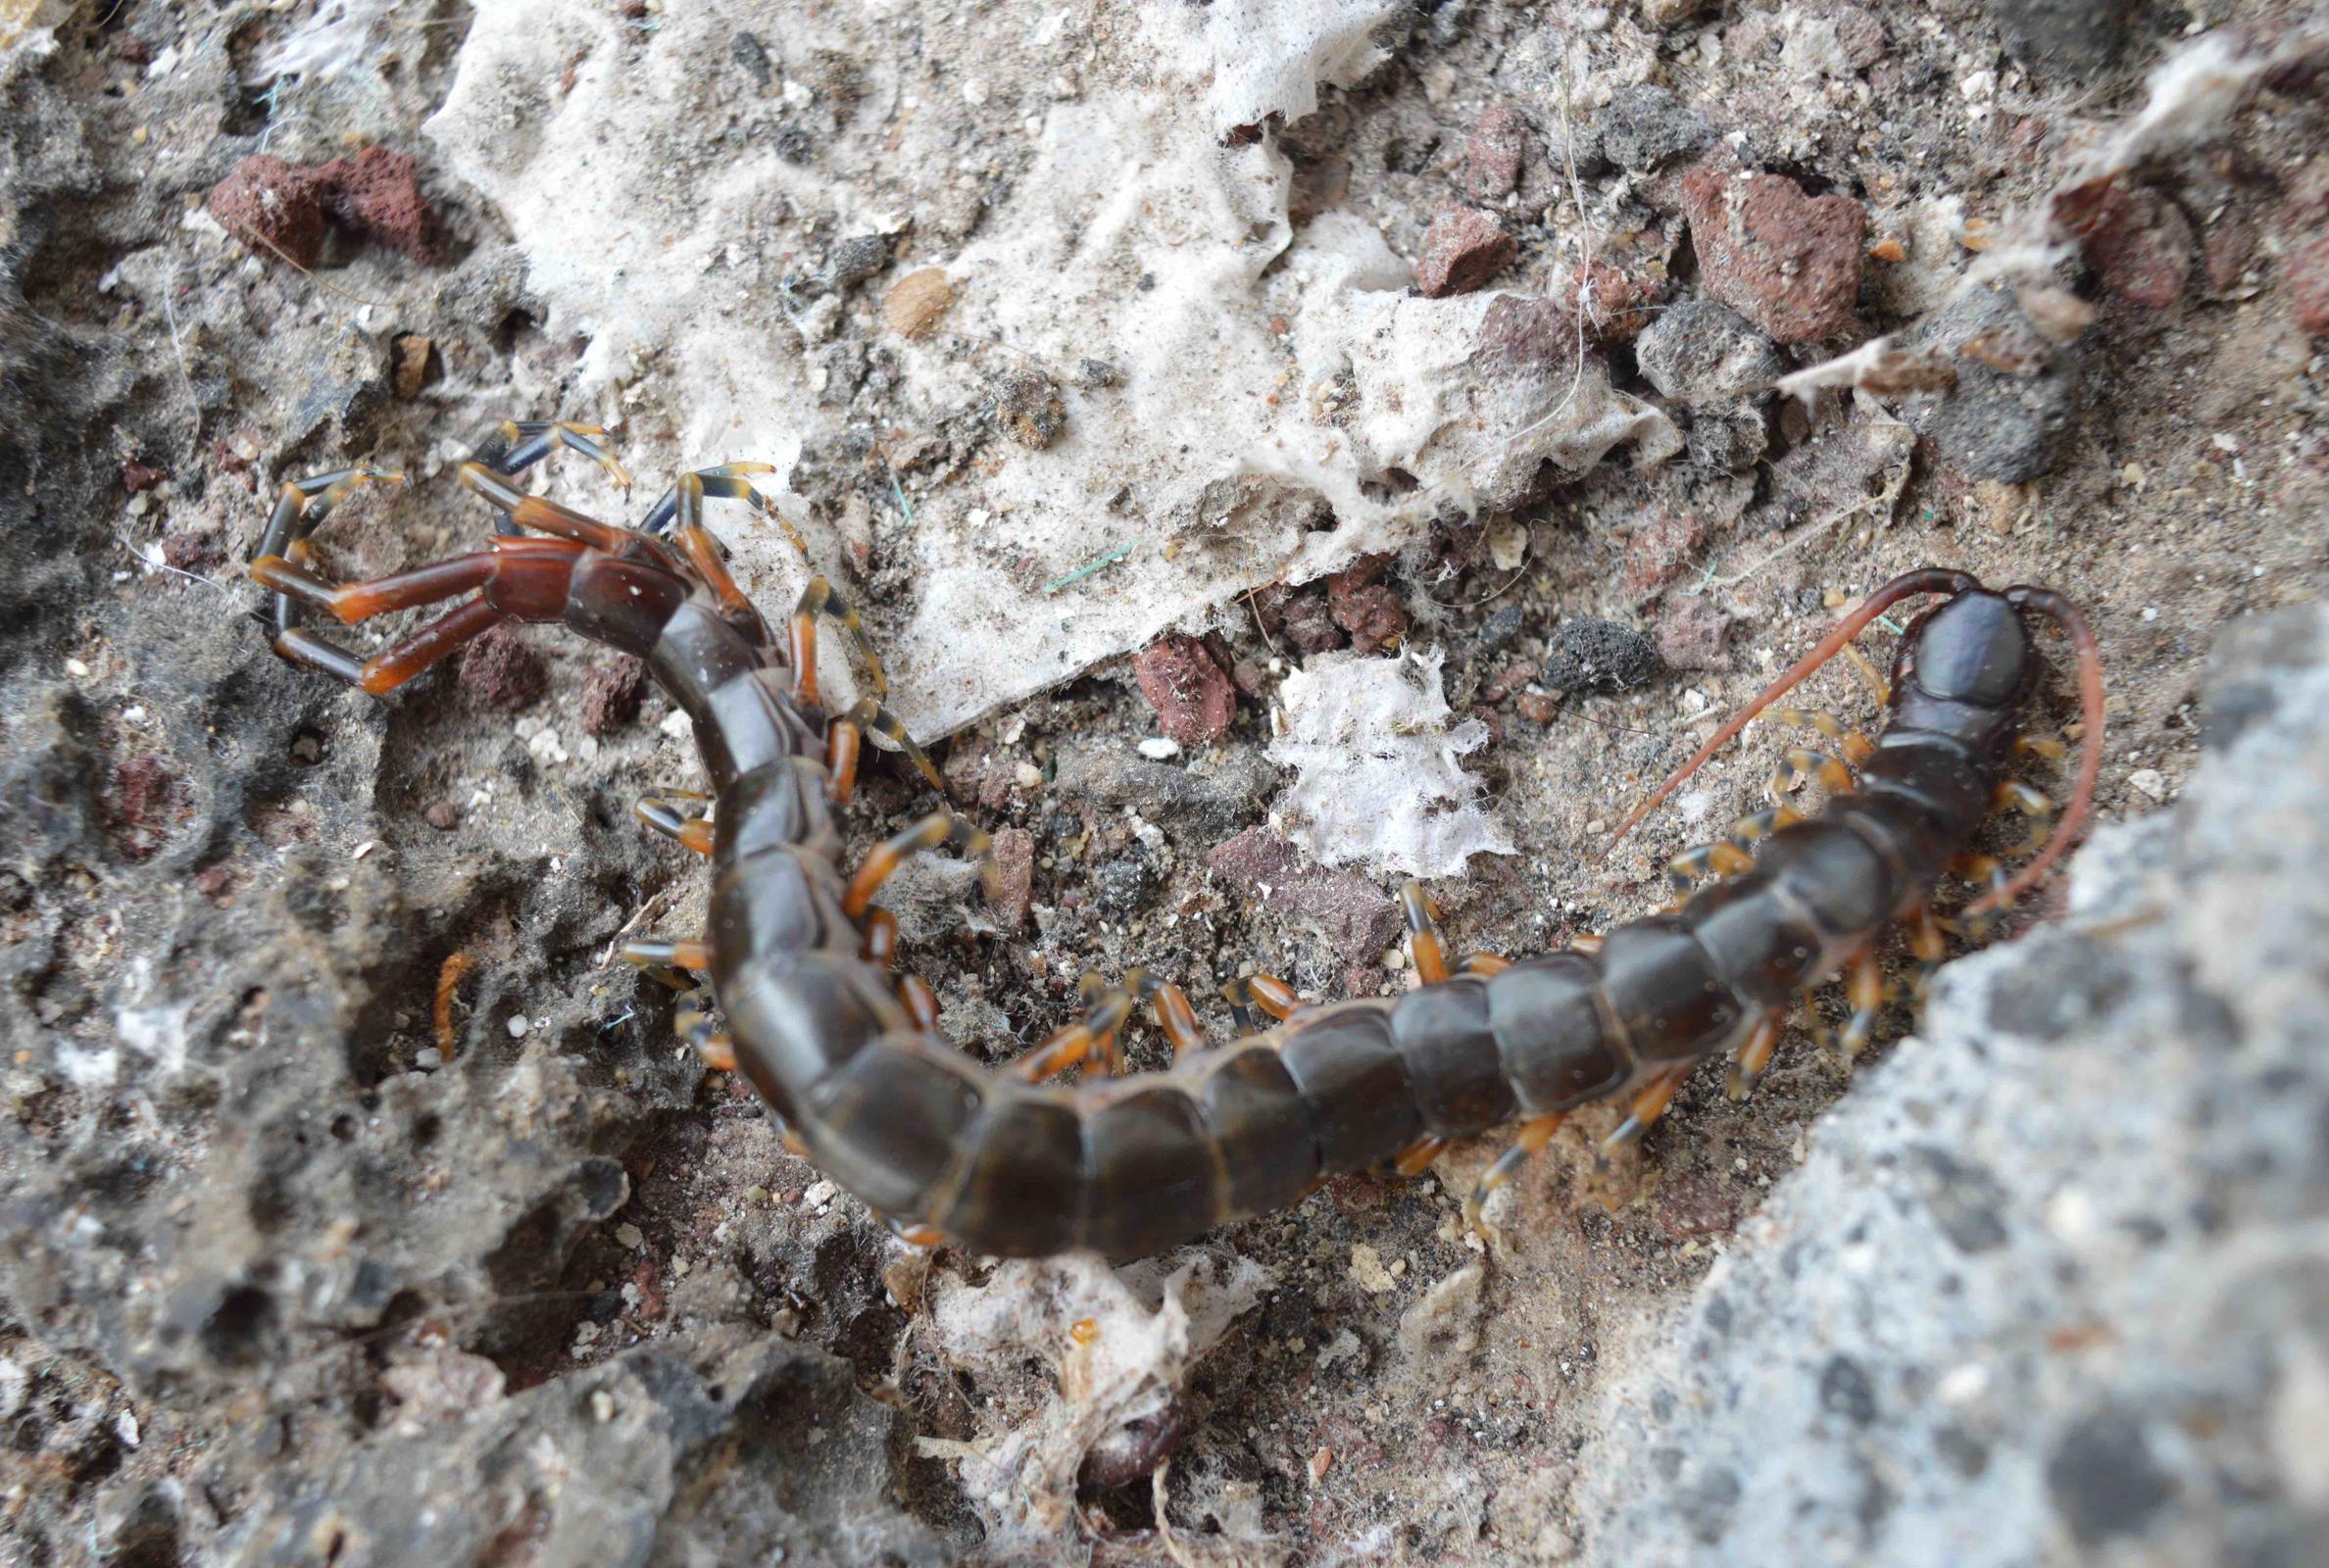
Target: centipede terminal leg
x,y
521,572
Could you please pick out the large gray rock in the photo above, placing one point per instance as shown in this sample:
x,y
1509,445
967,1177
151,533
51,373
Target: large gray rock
x,y
2054,1282
724,1446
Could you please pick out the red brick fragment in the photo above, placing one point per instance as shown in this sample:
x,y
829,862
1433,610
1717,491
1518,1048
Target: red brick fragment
x,y
1463,249
1195,702
1787,262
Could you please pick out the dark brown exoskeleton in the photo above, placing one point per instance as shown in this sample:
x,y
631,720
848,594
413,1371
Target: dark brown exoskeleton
x,y
1001,1162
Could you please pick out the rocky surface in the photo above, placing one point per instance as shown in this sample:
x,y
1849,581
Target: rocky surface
x,y
2049,1285
360,1205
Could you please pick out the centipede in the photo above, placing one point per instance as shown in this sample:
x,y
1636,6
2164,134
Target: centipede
x,y
794,983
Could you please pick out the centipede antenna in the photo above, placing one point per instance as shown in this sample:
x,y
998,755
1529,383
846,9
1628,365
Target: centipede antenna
x,y
2067,616
1924,580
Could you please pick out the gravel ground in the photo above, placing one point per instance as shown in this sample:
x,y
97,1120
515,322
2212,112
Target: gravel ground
x,y
289,1276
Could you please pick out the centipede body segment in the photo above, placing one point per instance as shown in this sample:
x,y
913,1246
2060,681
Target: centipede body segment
x,y
798,958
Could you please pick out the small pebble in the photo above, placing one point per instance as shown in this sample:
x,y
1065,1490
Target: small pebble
x,y
517,1025
2149,781
629,1235
1158,747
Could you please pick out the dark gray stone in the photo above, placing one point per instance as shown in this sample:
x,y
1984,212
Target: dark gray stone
x,y
2105,1479
1584,654
1644,127
1703,353
2069,40
856,259
2007,424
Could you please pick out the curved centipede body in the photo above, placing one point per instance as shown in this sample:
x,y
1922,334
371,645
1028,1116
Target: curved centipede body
x,y
850,1058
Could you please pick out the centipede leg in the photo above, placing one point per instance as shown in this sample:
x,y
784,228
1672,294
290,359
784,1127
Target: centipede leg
x,y
1423,937
939,827
527,442
1928,940
726,481
1250,994
1864,987
1988,870
1831,772
1414,1160
2033,803
1106,1009
819,599
1647,1107
1175,1018
880,946
694,1024
1484,965
664,813
1722,857
871,721
920,1001
1854,744
729,483
1535,1133
1753,1055
1733,853
668,962
844,744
